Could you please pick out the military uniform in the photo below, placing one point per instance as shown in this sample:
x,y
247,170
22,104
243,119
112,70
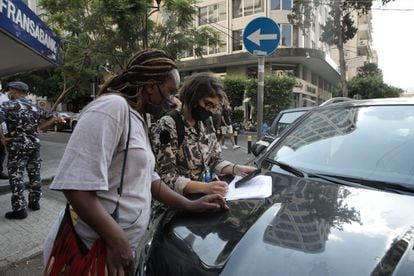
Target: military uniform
x,y
22,118
178,164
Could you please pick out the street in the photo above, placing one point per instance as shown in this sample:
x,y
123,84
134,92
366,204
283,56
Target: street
x,y
21,241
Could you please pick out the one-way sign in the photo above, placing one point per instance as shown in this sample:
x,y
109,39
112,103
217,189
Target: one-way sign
x,y
261,36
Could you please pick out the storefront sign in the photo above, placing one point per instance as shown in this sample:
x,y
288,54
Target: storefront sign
x,y
23,24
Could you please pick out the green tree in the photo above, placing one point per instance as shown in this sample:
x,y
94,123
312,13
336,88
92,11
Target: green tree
x,y
370,87
369,69
278,95
339,27
234,86
101,35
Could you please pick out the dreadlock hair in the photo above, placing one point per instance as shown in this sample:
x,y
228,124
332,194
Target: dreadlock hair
x,y
149,66
200,86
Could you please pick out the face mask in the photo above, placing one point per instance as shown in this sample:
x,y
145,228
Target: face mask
x,y
166,105
159,110
200,114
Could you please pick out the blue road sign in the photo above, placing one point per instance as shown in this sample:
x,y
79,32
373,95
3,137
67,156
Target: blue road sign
x,y
261,36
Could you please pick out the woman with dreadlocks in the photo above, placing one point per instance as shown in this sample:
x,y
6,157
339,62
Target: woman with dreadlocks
x,y
90,170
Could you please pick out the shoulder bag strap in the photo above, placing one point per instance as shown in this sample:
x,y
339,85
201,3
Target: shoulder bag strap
x,y
115,214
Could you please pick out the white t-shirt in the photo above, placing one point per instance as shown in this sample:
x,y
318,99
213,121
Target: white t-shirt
x,y
93,162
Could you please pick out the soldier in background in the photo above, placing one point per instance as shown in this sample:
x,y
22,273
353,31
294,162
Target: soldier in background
x,y
24,120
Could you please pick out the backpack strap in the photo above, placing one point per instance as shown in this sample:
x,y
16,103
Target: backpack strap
x,y
179,125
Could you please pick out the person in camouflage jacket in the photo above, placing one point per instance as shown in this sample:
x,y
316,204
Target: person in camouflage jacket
x,y
189,167
23,119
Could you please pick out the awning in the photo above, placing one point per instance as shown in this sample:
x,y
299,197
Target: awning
x,y
26,43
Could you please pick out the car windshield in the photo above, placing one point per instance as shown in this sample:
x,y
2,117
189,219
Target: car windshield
x,y
370,142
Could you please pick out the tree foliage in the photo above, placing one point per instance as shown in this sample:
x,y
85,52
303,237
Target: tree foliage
x,y
99,36
278,95
339,27
234,86
369,69
371,87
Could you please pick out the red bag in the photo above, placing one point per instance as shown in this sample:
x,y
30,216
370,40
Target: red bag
x,y
70,256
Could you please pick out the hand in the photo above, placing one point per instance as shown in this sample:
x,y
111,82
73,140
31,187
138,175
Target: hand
x,y
243,170
217,187
208,202
4,141
119,257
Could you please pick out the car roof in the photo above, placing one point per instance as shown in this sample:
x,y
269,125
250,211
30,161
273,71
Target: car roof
x,y
296,109
373,102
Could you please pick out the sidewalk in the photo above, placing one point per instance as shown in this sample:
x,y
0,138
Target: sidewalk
x,y
23,239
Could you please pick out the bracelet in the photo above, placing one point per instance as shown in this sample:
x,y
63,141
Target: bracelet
x,y
234,169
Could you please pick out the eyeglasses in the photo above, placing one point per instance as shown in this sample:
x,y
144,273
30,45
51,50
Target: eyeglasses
x,y
214,108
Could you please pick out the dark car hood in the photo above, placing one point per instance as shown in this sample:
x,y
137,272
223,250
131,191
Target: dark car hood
x,y
306,227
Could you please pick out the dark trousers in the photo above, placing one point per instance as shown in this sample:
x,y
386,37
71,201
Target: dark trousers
x,y
2,156
18,160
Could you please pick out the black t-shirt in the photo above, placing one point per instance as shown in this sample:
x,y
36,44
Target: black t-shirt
x,y
217,120
226,112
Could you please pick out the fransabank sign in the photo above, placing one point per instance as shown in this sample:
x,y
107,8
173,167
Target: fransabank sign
x,y
22,23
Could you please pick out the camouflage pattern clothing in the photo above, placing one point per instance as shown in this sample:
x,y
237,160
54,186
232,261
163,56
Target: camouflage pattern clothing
x,y
178,165
22,118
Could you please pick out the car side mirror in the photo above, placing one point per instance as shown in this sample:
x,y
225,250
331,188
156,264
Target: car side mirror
x,y
259,147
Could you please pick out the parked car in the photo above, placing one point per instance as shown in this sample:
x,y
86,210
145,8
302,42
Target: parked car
x,y
282,120
342,204
63,121
74,120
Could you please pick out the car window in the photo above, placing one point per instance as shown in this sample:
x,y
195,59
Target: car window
x,y
374,143
284,121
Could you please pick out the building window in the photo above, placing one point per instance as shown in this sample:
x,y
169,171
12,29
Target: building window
x,y
286,35
220,47
247,7
258,6
281,4
237,8
212,13
202,17
222,11
284,69
237,40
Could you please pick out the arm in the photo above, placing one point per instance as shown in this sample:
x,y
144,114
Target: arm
x,y
214,187
164,194
236,169
90,210
45,124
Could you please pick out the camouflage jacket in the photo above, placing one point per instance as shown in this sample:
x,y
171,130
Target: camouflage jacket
x,y
177,166
22,118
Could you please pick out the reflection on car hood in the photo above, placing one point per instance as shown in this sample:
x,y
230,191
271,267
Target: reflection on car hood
x,y
305,227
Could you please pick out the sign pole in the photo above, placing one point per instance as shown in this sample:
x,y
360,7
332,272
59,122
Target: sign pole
x,y
261,38
260,92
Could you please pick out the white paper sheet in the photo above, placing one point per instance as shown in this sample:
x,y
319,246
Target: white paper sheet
x,y
258,187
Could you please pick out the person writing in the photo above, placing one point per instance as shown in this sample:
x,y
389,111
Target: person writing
x,y
189,166
88,173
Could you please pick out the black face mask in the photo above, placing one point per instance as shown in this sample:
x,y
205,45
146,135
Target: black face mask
x,y
200,114
159,110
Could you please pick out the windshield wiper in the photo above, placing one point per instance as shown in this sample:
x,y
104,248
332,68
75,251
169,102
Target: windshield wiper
x,y
379,185
288,168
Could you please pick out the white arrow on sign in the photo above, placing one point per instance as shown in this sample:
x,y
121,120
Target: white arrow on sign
x,y
256,37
